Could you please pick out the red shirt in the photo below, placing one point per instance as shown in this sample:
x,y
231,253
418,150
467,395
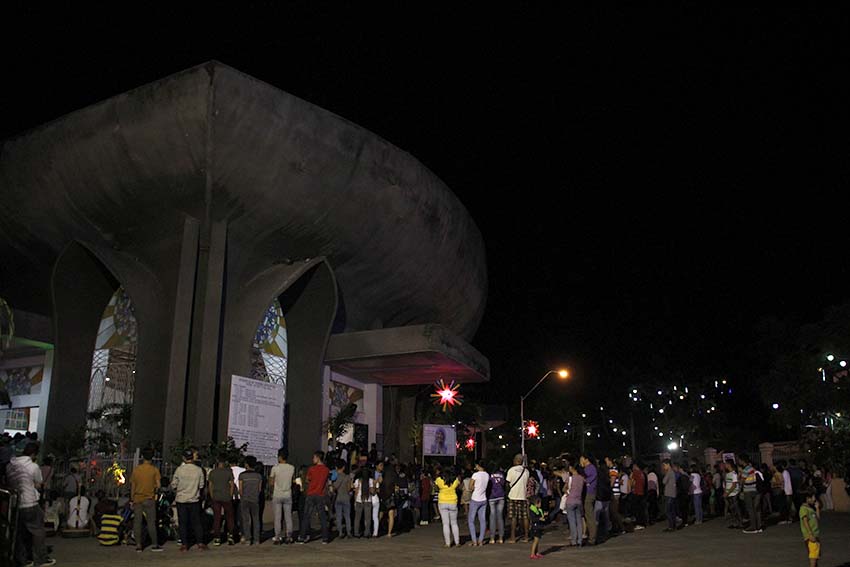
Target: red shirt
x,y
640,482
317,480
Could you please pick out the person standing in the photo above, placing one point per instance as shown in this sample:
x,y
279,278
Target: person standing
x,y
250,489
424,497
669,482
281,478
652,494
316,500
342,500
144,483
639,496
478,503
575,489
696,493
24,477
810,526
731,490
751,496
517,480
591,478
447,484
496,499
614,507
388,489
364,487
187,483
221,489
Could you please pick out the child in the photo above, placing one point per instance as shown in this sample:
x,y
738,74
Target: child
x,y
538,519
809,516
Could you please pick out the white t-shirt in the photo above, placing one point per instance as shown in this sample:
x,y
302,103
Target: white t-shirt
x,y
357,491
696,483
518,478
786,478
78,508
652,482
236,472
625,488
481,480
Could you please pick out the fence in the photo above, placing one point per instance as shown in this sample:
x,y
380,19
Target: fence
x,y
94,472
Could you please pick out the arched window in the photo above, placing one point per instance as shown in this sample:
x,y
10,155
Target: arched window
x,y
270,352
113,374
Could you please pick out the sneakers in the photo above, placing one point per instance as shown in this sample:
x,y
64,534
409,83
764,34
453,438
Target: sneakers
x,y
275,541
640,528
784,522
48,561
216,542
156,548
230,540
749,531
139,550
536,556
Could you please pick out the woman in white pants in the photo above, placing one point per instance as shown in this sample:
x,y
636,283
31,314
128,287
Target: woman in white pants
x,y
447,483
376,505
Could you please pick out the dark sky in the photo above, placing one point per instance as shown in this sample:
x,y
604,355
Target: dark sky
x,y
648,185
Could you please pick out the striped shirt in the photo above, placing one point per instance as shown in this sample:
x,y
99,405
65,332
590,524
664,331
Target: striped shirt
x,y
109,526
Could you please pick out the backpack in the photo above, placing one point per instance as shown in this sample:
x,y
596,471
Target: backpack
x,y
704,484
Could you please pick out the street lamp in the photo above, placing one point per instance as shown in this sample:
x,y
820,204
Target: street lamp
x,y
563,374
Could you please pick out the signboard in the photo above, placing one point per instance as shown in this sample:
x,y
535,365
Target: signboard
x,y
256,416
438,441
729,457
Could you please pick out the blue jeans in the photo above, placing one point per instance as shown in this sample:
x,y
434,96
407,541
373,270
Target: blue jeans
x,y
497,518
479,509
698,507
603,523
448,515
574,518
343,514
670,509
314,504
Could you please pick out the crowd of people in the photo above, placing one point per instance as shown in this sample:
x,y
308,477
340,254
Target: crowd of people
x,y
355,494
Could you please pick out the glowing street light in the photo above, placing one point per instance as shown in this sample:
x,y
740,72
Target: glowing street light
x,y
830,357
672,446
842,364
563,374
775,406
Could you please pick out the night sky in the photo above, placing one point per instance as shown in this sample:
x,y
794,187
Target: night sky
x,y
649,185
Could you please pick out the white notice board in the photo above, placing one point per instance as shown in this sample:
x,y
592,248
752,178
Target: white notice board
x,y
256,417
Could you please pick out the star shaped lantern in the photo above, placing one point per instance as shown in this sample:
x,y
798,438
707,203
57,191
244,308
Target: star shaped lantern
x,y
447,395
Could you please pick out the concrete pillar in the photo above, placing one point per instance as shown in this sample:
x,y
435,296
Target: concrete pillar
x,y
181,330
204,361
81,290
766,450
711,457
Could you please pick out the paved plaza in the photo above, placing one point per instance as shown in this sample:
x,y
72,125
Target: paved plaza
x,y
710,544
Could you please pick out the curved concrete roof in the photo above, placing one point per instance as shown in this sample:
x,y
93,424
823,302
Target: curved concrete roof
x,y
292,181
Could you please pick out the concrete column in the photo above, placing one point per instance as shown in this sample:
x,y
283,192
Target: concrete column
x,y
204,364
710,454
47,375
181,330
81,291
766,450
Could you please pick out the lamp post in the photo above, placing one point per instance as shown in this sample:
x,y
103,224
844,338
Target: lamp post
x,y
563,374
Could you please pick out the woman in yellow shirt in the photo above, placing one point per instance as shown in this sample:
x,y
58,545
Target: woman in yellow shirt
x,y
447,484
